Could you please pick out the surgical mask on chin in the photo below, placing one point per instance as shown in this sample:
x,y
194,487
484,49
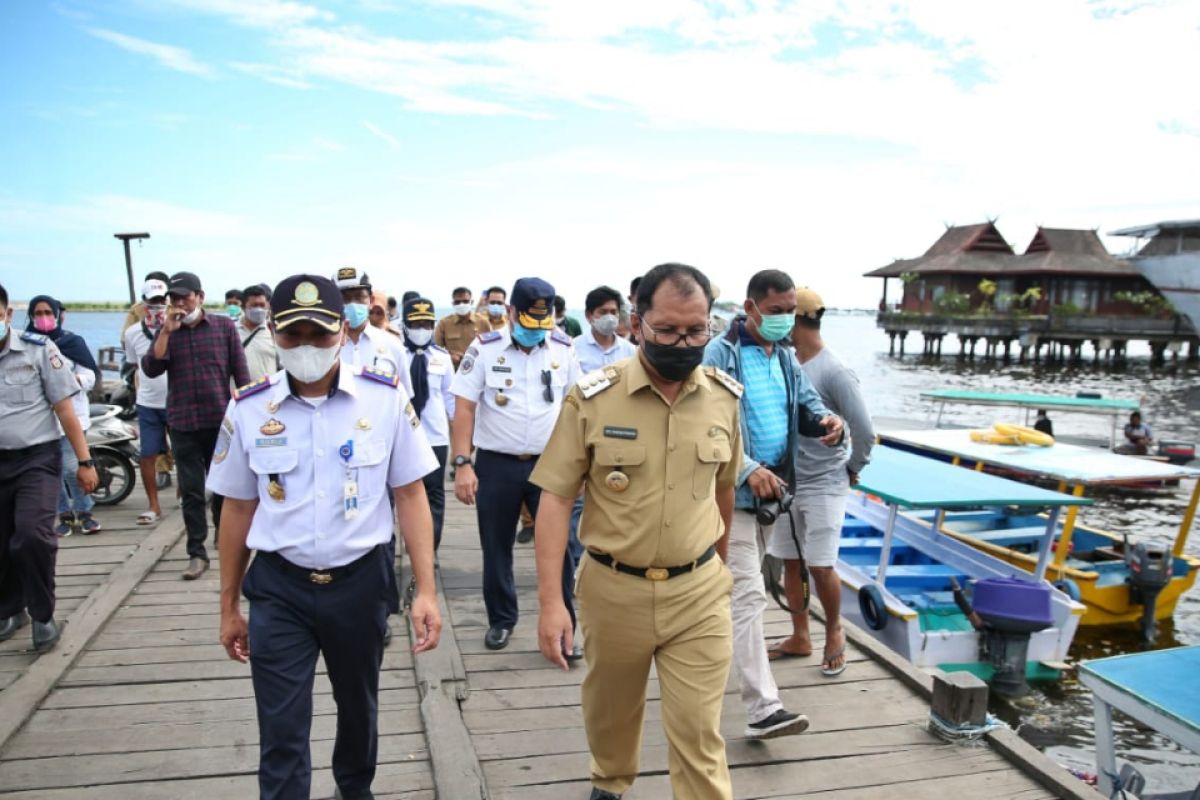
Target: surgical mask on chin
x,y
420,337
605,325
44,324
356,314
527,337
496,309
775,327
193,317
256,315
307,363
673,363
462,309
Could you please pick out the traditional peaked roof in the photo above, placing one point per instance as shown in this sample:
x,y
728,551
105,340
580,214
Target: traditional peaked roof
x,y
981,250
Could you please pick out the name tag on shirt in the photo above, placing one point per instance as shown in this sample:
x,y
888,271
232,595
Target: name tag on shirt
x,y
613,432
501,369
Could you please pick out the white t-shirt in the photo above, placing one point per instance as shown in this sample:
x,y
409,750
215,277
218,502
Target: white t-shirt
x,y
152,392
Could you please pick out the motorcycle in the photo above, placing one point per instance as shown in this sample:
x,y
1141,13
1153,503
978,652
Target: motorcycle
x,y
112,443
122,392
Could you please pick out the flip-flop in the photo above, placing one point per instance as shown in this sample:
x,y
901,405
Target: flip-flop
x,y
777,653
833,672
147,518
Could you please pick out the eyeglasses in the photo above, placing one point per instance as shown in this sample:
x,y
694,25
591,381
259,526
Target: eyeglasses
x,y
672,338
547,392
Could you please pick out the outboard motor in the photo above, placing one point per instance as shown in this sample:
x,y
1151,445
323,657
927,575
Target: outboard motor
x,y
1011,610
1149,574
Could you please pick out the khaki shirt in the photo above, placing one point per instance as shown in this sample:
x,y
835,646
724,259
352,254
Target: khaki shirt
x,y
456,333
674,456
33,377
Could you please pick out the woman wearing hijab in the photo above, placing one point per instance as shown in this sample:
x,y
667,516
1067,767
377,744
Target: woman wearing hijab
x,y
46,317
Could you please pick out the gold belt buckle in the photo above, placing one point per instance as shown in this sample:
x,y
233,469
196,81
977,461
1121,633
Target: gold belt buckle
x,y
320,578
657,574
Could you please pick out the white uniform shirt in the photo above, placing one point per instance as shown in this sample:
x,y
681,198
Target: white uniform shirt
x,y
439,408
593,357
151,392
492,367
269,432
381,350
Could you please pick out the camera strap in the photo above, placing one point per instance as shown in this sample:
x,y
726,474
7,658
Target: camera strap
x,y
773,578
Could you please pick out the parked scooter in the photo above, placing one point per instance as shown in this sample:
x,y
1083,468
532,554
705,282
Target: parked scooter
x,y
113,445
122,392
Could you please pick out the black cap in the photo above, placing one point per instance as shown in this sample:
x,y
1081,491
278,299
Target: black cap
x,y
308,297
418,309
351,278
182,283
533,299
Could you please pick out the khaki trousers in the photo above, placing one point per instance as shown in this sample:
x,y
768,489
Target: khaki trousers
x,y
683,627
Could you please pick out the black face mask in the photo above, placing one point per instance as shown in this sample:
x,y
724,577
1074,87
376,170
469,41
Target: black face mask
x,y
673,363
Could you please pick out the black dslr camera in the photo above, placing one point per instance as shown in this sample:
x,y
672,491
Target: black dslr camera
x,y
769,511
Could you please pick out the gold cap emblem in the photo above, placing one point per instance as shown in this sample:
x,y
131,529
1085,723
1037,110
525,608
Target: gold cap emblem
x,y
306,294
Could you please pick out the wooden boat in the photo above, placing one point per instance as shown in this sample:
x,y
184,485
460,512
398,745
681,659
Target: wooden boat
x,y
1111,576
899,574
1159,690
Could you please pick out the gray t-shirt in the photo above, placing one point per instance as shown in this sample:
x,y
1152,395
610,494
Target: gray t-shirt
x,y
824,468
34,376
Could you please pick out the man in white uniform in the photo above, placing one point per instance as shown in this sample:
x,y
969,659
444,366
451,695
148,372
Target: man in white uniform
x,y
366,345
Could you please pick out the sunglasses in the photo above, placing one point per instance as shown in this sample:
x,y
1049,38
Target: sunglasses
x,y
547,392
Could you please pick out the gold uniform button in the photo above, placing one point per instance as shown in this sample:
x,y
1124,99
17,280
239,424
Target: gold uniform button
x,y
670,486
617,481
667,523
501,400
671,447
508,381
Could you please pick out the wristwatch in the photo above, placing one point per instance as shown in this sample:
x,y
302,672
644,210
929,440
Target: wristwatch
x,y
91,462
460,461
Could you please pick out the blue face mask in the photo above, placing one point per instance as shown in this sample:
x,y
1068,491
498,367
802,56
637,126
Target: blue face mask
x,y
527,337
3,329
496,309
356,314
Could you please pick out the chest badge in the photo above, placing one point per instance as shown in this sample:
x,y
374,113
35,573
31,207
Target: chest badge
x,y
272,407
275,490
553,365
501,399
363,424
616,481
272,427
499,359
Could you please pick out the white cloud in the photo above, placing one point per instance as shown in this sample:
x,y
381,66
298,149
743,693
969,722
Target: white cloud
x,y
256,13
176,58
271,73
380,133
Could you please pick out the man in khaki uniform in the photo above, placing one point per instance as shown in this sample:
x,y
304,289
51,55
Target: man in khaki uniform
x,y
457,330
656,444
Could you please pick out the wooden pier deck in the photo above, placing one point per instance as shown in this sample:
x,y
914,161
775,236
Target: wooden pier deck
x,y
140,701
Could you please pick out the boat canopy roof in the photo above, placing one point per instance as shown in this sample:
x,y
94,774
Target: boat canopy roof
x,y
1103,405
913,481
1156,228
1060,461
1165,680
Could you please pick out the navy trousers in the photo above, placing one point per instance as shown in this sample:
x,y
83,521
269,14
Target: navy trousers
x,y
292,621
435,490
503,486
29,482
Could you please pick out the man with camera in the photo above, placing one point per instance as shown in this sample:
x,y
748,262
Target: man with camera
x,y
778,405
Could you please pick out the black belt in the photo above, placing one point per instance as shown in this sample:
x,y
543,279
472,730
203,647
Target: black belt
x,y
655,573
321,577
522,457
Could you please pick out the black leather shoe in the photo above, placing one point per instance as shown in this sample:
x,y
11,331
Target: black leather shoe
x,y
45,635
387,634
10,625
600,794
525,536
497,638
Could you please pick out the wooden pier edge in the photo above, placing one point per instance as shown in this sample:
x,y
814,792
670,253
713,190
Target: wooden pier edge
x,y
1006,742
442,683
20,700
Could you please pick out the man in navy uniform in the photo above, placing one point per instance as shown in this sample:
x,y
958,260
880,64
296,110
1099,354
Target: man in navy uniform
x,y
36,387
305,459
509,389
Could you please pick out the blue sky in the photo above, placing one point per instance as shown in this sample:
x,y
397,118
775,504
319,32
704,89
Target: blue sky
x,y
474,141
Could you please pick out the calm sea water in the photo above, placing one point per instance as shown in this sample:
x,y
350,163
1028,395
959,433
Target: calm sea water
x,y
1058,718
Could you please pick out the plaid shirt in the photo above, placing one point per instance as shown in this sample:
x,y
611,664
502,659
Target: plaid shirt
x,y
205,358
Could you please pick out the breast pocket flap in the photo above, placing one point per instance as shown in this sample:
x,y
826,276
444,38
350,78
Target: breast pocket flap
x,y
627,456
273,461
714,451
368,452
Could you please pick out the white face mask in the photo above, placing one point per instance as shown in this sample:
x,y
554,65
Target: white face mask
x,y
193,317
605,325
306,363
419,336
462,309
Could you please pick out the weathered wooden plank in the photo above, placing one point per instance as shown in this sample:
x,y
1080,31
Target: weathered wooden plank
x,y
165,695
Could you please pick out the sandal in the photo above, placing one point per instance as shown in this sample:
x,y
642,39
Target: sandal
x,y
833,672
147,518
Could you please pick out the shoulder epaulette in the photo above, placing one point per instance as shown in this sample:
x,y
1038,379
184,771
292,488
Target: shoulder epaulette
x,y
380,376
596,382
490,336
33,338
254,387
560,337
722,378
394,333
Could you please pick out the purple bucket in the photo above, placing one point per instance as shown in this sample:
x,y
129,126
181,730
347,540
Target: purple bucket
x,y
1013,605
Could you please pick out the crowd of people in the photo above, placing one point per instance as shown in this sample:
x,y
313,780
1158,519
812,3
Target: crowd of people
x,y
653,456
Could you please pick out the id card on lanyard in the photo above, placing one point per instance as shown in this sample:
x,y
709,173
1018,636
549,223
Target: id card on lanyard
x,y
350,483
